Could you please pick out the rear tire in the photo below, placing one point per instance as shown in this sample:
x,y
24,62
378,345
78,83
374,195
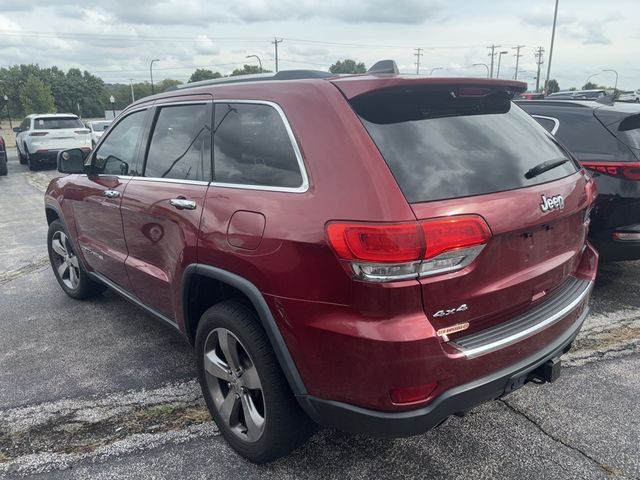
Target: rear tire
x,y
67,267
32,166
3,168
248,395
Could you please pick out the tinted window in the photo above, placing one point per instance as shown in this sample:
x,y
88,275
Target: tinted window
x,y
55,123
181,144
252,147
440,145
588,139
548,125
117,153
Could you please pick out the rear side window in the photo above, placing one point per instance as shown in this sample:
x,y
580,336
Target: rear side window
x,y
56,123
252,147
181,144
439,145
547,123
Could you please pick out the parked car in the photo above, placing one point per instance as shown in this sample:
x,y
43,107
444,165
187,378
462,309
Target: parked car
x,y
606,140
41,136
371,253
97,128
3,157
530,96
630,96
578,95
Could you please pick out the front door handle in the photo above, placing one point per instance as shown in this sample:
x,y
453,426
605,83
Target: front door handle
x,y
111,193
182,204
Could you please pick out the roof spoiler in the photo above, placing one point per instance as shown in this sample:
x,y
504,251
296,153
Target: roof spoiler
x,y
384,66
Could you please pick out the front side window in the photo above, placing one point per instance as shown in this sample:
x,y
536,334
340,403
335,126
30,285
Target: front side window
x,y
181,144
117,153
252,147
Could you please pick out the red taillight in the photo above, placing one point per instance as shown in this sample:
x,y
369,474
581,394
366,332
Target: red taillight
x,y
453,233
392,251
38,134
409,395
376,242
626,170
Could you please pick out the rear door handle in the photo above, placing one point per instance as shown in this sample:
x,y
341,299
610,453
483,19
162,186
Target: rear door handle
x,y
111,193
182,204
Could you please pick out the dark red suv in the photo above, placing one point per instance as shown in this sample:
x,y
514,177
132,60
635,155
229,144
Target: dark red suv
x,y
372,253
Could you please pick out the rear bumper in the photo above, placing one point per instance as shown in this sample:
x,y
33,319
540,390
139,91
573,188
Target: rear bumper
x,y
459,399
48,157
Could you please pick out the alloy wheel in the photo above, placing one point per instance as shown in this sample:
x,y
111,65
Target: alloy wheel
x,y
234,385
65,260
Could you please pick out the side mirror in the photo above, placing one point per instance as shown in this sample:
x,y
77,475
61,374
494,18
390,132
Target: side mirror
x,y
71,161
17,129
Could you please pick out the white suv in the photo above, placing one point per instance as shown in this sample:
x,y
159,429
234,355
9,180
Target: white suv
x,y
41,136
631,96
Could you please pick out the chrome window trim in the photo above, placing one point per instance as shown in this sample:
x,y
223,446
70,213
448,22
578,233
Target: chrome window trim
x,y
516,337
164,102
556,123
296,149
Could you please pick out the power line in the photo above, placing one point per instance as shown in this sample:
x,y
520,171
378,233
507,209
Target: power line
x,y
275,43
517,55
418,54
492,55
539,60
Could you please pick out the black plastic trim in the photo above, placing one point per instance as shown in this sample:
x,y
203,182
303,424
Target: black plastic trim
x,y
133,299
351,418
268,322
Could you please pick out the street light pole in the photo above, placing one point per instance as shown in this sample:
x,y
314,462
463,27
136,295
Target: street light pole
x,y
615,87
259,61
484,65
553,37
434,69
590,77
133,98
151,74
500,60
113,106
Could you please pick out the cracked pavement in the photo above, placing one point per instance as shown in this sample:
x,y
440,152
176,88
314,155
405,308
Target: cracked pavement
x,y
100,390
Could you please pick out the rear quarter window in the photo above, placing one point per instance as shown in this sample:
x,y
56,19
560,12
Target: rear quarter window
x,y
440,146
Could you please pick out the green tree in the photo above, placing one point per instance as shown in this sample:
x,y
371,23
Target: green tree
x,y
552,86
36,96
348,66
248,70
203,74
590,86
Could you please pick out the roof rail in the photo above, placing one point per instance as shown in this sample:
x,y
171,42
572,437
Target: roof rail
x,y
282,75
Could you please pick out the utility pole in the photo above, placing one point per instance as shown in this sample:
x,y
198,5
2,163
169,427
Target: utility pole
x,y
492,55
553,37
517,55
418,54
539,60
276,42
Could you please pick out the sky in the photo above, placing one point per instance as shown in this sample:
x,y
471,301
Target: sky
x,y
116,39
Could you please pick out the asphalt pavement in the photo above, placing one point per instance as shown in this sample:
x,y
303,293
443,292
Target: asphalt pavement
x,y
98,389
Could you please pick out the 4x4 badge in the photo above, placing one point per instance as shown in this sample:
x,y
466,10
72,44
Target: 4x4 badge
x,y
553,203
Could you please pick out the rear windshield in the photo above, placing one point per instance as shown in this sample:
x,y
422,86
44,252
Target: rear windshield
x,y
55,123
439,145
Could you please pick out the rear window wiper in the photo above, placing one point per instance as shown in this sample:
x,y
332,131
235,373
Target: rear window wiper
x,y
544,167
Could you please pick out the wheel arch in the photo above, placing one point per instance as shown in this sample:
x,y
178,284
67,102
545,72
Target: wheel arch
x,y
257,301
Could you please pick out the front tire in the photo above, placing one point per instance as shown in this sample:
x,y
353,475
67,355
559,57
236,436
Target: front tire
x,y
21,157
244,387
67,267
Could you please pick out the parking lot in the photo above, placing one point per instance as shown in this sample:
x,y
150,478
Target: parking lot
x,y
99,389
